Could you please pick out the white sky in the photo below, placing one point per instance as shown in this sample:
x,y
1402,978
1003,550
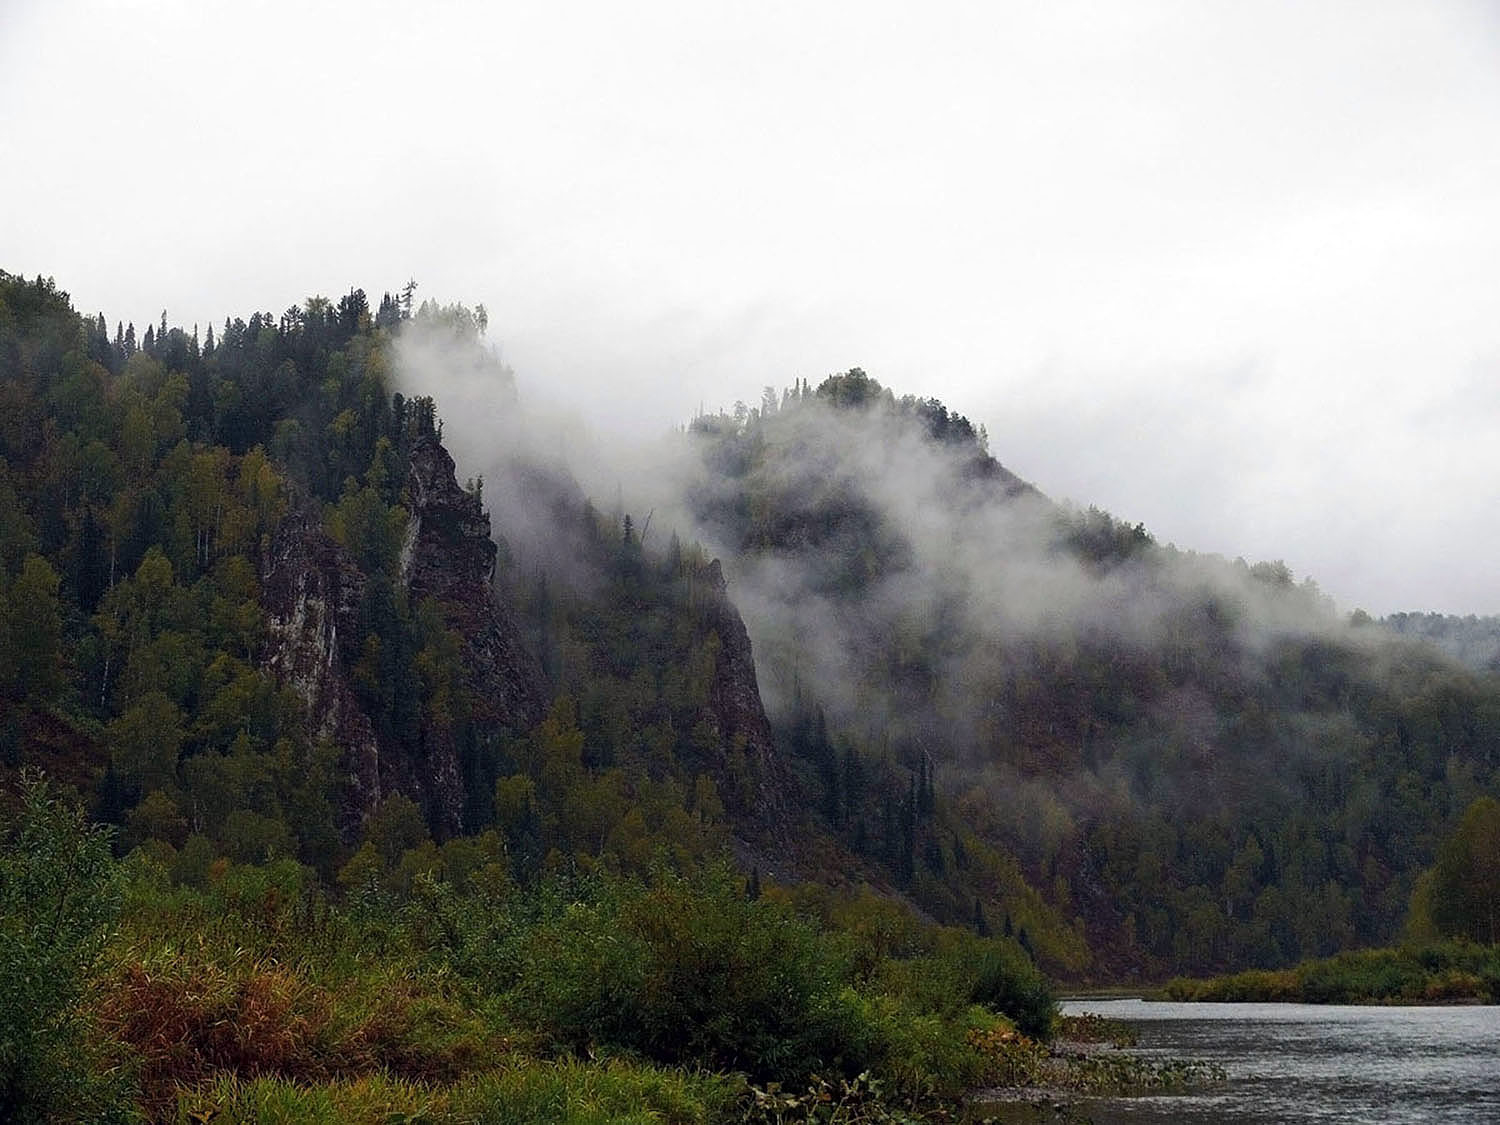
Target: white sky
x,y
1229,269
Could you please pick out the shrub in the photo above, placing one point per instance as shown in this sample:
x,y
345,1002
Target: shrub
x,y
1002,978
59,896
681,970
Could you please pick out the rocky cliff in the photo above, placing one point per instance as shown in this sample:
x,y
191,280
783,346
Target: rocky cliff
x,y
449,557
312,591
314,595
739,719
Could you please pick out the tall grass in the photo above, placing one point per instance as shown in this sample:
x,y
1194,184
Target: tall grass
x,y
245,993
1452,971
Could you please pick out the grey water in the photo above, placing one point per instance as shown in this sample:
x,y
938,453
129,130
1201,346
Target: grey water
x,y
1304,1062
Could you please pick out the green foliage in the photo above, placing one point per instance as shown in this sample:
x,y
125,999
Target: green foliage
x,y
524,1092
1440,973
248,992
145,741
34,629
59,897
370,528
683,971
1004,979
1464,895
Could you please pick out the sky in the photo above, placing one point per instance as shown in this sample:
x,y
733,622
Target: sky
x,y
1230,270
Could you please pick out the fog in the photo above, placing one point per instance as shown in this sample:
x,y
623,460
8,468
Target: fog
x,y
1228,270
969,575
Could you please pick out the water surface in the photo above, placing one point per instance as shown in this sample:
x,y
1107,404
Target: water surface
x,y
1305,1062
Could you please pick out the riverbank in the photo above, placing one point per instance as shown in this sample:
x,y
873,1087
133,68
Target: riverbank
x,y
1090,1057
1450,973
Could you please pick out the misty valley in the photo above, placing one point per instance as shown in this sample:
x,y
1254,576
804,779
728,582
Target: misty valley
x,y
377,745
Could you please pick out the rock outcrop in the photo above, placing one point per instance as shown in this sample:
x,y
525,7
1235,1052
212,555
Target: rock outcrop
x,y
314,594
312,591
739,717
449,556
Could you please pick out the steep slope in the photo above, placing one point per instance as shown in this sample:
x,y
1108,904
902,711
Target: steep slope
x,y
449,557
639,639
312,592
315,597
738,718
1198,760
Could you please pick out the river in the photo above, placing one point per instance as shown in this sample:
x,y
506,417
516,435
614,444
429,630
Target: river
x,y
1302,1062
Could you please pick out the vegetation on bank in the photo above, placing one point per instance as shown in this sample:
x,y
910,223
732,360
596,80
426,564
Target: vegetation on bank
x,y
141,989
1450,954
1434,974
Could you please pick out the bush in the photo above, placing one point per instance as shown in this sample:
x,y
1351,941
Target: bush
x,y
59,896
681,970
1005,980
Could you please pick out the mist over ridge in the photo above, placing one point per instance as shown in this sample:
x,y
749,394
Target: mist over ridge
x,y
1070,686
949,531
998,707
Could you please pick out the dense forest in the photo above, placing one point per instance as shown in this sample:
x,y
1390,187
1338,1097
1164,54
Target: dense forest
x,y
1199,762
323,789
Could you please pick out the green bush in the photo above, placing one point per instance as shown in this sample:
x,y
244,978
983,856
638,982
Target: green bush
x,y
59,896
1004,979
681,970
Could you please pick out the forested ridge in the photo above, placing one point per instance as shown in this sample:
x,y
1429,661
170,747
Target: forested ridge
x,y
295,742
1201,763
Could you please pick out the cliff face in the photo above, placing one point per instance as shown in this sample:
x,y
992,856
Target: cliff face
x,y
314,595
739,719
312,591
449,556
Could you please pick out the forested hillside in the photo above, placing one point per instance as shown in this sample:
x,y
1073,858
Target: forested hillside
x,y
1198,760
801,760
316,803
250,609
1474,641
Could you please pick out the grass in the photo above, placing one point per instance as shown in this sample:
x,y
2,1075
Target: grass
x,y
525,1092
249,995
1447,973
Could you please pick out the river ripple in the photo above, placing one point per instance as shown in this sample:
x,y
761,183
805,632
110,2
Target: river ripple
x,y
1304,1062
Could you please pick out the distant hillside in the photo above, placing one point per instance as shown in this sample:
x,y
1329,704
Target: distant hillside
x,y
250,611
1472,641
1198,760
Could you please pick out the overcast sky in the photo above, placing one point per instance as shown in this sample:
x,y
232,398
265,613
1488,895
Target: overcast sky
x,y
1229,269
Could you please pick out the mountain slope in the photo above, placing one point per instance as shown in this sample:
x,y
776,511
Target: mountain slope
x,y
1198,759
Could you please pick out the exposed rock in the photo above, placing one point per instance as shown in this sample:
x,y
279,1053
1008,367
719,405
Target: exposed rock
x,y
312,591
449,556
739,716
